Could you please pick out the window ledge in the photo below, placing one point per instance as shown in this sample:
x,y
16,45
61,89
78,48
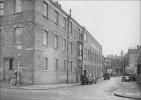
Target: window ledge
x,y
56,70
45,70
15,13
45,45
46,17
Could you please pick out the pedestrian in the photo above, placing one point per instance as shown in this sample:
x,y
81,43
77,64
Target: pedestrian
x,y
14,75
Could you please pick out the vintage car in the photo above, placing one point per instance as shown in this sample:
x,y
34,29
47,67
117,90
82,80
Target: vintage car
x,y
106,76
86,79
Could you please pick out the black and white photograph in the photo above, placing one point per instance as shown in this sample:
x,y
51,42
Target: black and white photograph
x,y
70,49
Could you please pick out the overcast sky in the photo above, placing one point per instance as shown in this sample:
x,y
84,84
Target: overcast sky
x,y
114,24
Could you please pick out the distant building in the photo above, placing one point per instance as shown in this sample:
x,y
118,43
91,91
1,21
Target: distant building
x,y
133,55
113,65
139,68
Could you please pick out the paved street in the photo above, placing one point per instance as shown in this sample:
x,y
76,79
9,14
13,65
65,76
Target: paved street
x,y
102,90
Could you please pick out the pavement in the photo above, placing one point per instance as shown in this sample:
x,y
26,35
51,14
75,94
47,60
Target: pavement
x,y
129,90
39,87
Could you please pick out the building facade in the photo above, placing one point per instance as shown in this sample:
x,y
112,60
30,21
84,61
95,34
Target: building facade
x,y
133,55
41,38
113,65
139,70
92,55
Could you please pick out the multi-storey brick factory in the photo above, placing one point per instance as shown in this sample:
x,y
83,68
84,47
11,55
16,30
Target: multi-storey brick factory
x,y
45,43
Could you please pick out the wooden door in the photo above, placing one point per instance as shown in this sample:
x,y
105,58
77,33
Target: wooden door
x,y
8,67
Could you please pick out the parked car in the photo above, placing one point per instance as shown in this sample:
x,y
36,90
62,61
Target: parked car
x,y
106,76
86,79
129,77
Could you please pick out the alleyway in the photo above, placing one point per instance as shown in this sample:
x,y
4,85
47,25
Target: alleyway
x,y
102,90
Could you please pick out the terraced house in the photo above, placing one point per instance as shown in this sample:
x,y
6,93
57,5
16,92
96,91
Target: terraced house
x,y
41,38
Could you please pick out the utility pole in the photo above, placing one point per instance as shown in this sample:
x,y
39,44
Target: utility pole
x,y
68,46
122,62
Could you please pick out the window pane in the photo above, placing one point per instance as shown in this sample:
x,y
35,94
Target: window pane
x,y
70,26
56,17
71,65
18,6
70,47
56,41
56,64
45,9
64,22
64,64
45,37
45,63
18,32
1,8
64,44
85,37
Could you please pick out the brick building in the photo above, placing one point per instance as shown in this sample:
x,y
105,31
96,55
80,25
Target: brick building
x,y
50,40
133,55
92,55
113,64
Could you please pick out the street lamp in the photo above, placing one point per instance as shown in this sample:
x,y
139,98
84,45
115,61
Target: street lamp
x,y
18,47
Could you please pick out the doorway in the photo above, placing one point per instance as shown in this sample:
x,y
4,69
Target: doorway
x,y
8,67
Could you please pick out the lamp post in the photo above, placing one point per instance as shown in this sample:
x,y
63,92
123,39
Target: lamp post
x,y
19,47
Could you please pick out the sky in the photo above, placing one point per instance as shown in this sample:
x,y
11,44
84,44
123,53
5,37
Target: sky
x,y
114,24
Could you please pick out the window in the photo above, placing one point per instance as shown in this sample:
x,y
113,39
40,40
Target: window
x,y
1,7
70,47
56,17
79,49
17,35
88,55
45,38
56,64
45,63
45,9
18,6
70,26
64,44
71,65
85,37
64,64
64,22
85,54
79,35
56,42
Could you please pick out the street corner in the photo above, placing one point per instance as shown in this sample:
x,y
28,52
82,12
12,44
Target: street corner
x,y
133,94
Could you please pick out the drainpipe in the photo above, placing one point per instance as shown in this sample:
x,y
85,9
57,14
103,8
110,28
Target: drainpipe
x,y
68,46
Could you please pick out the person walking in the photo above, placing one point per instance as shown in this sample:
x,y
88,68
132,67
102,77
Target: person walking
x,y
14,76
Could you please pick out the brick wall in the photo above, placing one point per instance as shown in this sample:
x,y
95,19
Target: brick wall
x,y
10,20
